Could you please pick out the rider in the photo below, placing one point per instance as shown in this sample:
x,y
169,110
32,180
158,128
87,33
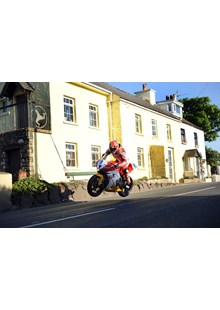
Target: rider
x,y
119,153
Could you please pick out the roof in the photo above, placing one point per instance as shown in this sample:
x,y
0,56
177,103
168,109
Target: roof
x,y
191,153
9,87
129,97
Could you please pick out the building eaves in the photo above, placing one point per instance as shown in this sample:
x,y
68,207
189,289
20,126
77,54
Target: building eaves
x,y
184,121
132,98
9,87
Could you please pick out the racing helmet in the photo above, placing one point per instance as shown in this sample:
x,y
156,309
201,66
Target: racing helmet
x,y
113,146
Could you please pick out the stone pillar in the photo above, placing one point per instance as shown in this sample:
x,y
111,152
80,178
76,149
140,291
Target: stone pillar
x,y
5,190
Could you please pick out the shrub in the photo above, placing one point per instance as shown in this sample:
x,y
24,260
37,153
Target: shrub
x,y
143,179
30,185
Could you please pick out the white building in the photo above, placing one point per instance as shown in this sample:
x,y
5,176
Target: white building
x,y
61,129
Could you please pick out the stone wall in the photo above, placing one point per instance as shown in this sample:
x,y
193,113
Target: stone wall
x,y
21,140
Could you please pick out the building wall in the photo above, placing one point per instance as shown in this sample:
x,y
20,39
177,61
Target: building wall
x,y
50,150
131,140
45,149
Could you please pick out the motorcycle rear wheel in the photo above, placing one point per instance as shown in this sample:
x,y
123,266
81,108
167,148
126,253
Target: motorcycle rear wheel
x,y
93,187
125,190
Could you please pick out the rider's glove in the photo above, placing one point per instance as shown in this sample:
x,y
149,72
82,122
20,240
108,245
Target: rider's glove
x,y
116,166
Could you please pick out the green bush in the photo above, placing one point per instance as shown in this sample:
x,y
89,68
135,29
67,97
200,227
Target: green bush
x,y
30,185
143,179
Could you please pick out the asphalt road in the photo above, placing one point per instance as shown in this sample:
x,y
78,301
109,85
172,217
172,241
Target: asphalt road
x,y
181,206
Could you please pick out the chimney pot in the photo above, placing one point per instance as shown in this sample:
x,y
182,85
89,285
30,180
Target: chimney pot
x,y
144,86
167,97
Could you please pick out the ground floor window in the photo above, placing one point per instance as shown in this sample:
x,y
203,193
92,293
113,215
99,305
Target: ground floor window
x,y
140,157
71,155
95,154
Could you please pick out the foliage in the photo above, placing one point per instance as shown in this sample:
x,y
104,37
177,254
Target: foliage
x,y
143,179
212,157
29,185
203,114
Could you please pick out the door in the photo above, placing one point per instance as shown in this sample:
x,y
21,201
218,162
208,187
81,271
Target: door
x,y
22,111
170,164
14,163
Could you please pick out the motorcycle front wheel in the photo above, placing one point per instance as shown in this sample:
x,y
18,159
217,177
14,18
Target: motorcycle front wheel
x,y
93,187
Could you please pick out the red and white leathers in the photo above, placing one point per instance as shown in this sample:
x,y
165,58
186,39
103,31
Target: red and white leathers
x,y
120,155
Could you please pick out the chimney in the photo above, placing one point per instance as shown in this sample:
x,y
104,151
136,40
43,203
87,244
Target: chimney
x,y
147,94
174,96
167,97
144,86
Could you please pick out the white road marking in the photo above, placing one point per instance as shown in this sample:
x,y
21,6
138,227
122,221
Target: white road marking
x,y
67,218
199,190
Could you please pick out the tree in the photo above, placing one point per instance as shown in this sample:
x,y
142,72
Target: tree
x,y
201,113
212,157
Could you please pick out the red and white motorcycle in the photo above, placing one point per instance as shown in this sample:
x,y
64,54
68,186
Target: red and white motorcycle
x,y
109,179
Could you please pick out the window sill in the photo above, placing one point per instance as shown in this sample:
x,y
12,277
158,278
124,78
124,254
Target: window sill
x,y
97,128
70,123
72,169
139,134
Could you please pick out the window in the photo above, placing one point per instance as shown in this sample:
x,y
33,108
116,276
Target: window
x,y
154,128
138,124
5,106
93,116
178,109
169,107
69,110
196,139
183,135
96,154
169,136
71,155
140,157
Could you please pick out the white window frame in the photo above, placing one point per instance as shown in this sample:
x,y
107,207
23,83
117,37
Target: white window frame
x,y
140,157
71,155
154,128
169,133
69,109
93,115
95,154
138,124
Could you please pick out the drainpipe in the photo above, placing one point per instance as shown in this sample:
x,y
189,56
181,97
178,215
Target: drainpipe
x,y
110,116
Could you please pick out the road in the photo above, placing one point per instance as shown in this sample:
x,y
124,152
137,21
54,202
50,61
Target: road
x,y
180,206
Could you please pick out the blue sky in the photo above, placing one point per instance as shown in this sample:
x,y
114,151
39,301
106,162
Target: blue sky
x,y
182,89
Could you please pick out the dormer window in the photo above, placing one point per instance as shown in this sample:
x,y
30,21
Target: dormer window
x,y
172,105
178,109
169,107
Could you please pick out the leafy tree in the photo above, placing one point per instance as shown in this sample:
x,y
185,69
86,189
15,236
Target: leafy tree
x,y
212,157
201,113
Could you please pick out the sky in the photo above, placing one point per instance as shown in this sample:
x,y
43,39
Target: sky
x,y
182,89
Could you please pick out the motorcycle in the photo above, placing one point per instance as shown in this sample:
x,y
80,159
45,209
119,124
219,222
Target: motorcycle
x,y
109,179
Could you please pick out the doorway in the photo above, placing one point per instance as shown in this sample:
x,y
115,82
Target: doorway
x,y
14,165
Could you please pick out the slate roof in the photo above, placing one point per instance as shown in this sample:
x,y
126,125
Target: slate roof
x,y
9,87
124,95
